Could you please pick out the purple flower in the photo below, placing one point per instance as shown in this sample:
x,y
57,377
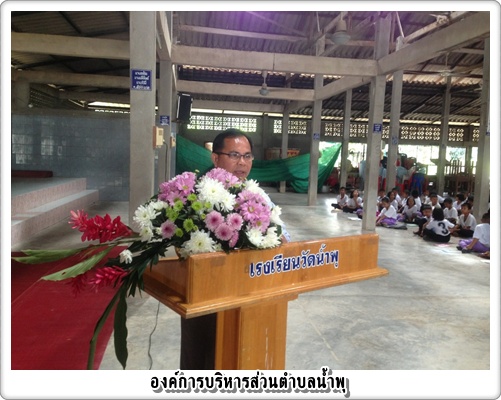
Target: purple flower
x,y
224,232
223,176
168,229
235,221
213,220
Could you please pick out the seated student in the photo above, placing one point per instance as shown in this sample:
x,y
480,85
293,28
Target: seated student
x,y
450,213
426,217
481,241
409,212
460,199
354,203
393,199
438,229
466,223
398,198
380,195
405,196
417,199
341,198
434,202
388,214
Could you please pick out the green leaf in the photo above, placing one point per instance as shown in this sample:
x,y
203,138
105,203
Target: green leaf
x,y
120,329
99,326
79,268
43,256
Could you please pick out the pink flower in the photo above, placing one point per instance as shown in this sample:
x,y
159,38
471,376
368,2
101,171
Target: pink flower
x,y
235,221
223,176
168,229
224,232
213,220
79,220
234,239
178,188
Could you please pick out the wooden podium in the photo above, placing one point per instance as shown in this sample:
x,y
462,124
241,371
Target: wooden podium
x,y
250,290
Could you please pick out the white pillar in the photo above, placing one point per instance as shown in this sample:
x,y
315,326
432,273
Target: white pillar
x,y
444,138
316,124
142,109
346,137
164,115
396,100
482,174
375,128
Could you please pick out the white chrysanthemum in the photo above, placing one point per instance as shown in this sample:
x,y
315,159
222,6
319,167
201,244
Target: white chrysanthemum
x,y
159,205
144,215
213,192
200,242
275,215
271,239
146,234
255,236
126,257
253,186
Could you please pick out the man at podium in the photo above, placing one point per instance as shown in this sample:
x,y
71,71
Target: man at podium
x,y
232,151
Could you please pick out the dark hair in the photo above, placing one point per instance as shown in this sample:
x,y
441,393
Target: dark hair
x,y
342,187
426,207
415,193
448,200
407,192
487,215
218,143
438,214
468,205
385,199
433,195
470,198
460,196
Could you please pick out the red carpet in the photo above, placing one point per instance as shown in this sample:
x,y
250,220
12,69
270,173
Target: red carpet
x,y
51,328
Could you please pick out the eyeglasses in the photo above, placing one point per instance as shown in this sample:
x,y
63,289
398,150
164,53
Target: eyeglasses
x,y
235,156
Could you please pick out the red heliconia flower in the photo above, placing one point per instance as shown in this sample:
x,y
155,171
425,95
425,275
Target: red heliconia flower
x,y
99,228
107,276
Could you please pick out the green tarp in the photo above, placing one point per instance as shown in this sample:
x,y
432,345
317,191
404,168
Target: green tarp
x,y
295,170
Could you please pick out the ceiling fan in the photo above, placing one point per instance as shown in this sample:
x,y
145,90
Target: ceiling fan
x,y
457,72
264,91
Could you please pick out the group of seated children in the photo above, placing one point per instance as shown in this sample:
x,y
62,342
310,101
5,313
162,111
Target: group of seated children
x,y
437,218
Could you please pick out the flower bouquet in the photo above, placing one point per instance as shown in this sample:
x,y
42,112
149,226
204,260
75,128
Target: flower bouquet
x,y
214,212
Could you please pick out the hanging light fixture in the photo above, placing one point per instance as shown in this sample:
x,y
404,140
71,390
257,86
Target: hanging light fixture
x,y
341,36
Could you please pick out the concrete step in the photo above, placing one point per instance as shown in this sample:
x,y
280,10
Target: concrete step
x,y
29,193
31,222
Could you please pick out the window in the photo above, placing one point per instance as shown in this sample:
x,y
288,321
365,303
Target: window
x,y
220,123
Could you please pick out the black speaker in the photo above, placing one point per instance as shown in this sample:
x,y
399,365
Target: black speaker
x,y
184,107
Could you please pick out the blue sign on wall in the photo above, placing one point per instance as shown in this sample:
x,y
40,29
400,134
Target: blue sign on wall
x,y
165,120
140,79
378,128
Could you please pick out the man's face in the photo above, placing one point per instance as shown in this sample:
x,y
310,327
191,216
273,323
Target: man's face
x,y
241,167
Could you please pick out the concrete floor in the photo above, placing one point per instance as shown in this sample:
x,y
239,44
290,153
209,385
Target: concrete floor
x,y
432,312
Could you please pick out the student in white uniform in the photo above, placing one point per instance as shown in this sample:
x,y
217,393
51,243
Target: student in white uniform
x,y
466,223
409,211
438,229
341,198
388,214
481,241
450,213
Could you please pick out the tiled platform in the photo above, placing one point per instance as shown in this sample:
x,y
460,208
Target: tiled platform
x,y
38,203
